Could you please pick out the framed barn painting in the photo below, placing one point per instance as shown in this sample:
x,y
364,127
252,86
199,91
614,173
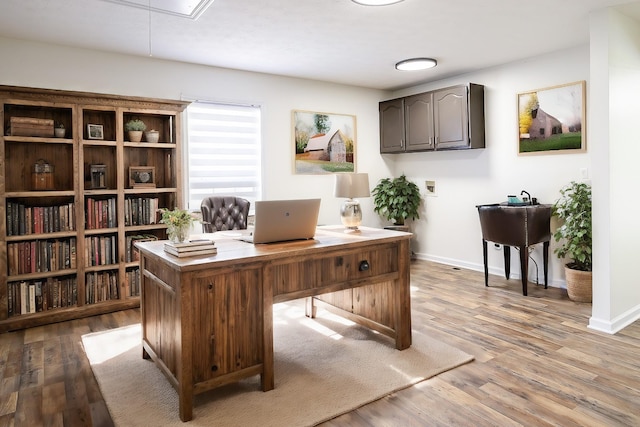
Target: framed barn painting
x,y
323,142
552,120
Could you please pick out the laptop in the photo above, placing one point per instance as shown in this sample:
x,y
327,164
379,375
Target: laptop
x,y
282,220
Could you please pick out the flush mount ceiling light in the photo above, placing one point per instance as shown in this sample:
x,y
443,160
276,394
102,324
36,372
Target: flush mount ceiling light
x,y
376,2
415,64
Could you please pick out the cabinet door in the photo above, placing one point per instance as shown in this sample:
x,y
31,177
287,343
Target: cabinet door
x,y
451,118
227,320
418,115
391,126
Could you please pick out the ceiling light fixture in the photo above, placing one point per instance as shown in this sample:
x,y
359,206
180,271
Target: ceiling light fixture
x,y
376,2
415,64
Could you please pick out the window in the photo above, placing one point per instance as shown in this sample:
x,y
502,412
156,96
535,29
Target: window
x,y
223,150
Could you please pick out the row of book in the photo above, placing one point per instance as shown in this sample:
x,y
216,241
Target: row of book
x,y
23,220
132,284
101,213
101,286
132,252
35,296
141,211
191,248
41,256
41,295
100,250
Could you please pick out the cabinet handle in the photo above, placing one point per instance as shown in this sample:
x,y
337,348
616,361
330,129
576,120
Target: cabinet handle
x,y
402,143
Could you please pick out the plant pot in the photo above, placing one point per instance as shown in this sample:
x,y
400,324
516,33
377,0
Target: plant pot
x,y
178,234
60,132
135,135
578,284
152,136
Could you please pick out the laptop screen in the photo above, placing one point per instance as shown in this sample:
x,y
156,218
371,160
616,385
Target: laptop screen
x,y
281,220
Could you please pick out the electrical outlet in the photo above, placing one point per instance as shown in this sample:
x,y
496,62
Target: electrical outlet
x,y
430,186
584,173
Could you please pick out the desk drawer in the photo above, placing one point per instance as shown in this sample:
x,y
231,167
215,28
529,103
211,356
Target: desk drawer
x,y
315,273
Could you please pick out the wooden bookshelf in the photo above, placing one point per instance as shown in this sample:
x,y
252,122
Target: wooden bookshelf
x,y
71,206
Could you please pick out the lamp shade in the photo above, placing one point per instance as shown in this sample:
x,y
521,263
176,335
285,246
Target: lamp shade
x,y
352,185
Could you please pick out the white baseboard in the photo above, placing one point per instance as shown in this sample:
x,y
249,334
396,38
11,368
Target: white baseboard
x,y
616,324
515,272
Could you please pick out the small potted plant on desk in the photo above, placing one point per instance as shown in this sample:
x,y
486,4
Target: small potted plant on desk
x,y
396,200
574,209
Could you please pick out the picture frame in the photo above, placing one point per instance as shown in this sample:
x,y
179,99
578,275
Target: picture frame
x,y
323,143
552,120
142,176
95,131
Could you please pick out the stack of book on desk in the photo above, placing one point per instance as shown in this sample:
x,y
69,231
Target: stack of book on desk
x,y
191,248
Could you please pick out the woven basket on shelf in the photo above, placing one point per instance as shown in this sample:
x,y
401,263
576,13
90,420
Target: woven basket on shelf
x,y
578,284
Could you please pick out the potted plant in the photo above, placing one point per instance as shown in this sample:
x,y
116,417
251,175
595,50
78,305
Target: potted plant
x,y
574,210
59,130
178,223
396,199
135,127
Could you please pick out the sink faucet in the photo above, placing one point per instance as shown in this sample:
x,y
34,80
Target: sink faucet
x,y
528,195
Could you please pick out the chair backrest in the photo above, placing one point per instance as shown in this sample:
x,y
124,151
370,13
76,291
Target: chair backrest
x,y
515,226
224,213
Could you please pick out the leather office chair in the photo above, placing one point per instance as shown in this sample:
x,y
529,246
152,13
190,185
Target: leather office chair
x,y
519,226
224,213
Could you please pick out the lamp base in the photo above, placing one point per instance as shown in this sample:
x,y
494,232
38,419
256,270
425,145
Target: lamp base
x,y
351,215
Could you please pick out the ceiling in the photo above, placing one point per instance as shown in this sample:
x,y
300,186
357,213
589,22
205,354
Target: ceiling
x,y
329,40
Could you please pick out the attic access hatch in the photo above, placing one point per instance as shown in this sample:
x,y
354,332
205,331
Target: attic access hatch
x,y
191,9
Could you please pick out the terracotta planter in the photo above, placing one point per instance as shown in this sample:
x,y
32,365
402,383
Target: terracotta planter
x,y
135,135
578,284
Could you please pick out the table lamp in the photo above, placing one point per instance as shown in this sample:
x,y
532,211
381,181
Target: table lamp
x,y
351,185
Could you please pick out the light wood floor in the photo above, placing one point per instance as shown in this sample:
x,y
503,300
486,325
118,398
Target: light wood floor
x,y
536,363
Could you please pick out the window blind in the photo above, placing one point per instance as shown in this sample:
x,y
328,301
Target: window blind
x,y
223,152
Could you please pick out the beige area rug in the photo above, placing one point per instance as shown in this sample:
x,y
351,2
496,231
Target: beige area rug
x,y
324,367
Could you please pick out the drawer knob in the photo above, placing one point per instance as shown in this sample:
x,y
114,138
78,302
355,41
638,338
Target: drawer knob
x,y
364,265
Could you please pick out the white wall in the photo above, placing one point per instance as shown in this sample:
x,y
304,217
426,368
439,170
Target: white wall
x,y
615,66
449,229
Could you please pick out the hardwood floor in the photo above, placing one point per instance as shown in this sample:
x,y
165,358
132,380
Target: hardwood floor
x,y
536,363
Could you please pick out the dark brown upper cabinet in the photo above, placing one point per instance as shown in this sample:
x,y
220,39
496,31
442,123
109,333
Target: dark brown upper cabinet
x,y
446,119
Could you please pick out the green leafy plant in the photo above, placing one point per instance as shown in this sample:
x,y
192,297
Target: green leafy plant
x,y
574,209
135,125
178,223
396,199
176,217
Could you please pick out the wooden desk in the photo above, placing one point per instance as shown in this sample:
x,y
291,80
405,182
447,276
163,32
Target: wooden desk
x,y
208,321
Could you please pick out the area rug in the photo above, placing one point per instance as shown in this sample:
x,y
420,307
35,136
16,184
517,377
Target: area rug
x,y
324,367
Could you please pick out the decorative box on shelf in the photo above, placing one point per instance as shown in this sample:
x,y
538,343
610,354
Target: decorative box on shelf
x,y
42,176
27,126
98,176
